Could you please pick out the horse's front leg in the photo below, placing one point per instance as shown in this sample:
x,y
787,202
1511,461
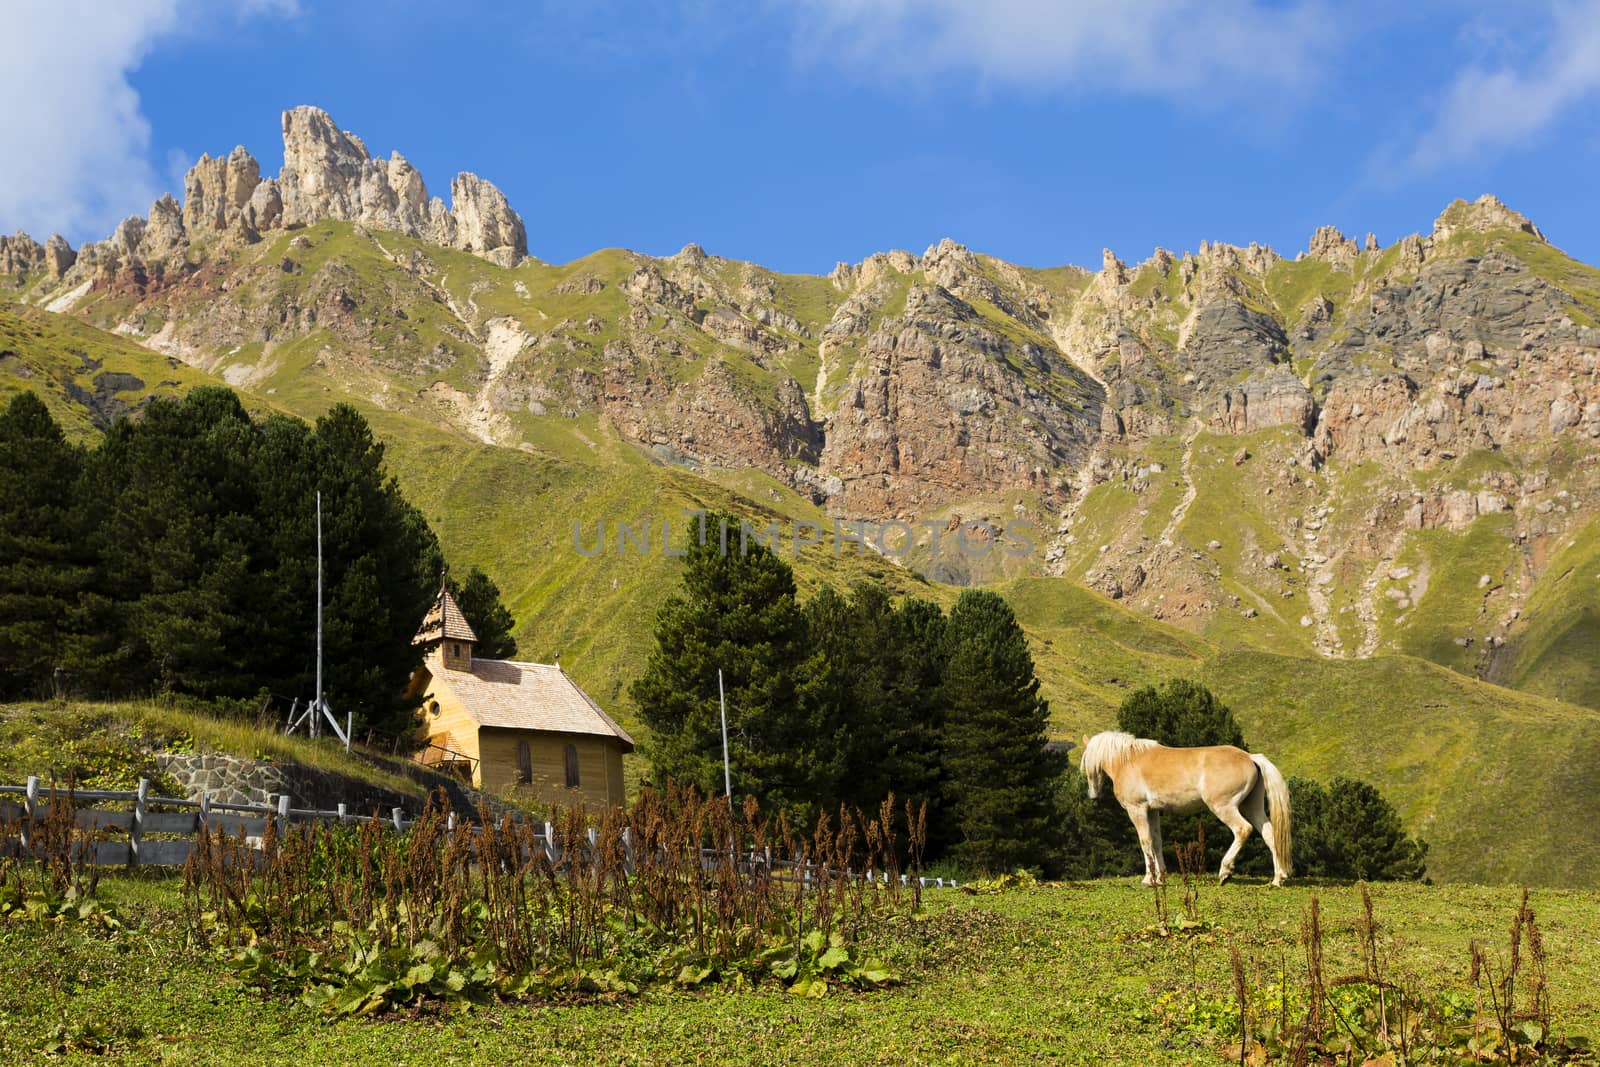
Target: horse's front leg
x,y
1140,816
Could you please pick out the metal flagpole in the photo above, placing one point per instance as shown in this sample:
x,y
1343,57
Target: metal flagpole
x,y
727,776
316,724
318,709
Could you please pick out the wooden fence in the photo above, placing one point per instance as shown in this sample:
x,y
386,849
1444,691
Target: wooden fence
x,y
162,831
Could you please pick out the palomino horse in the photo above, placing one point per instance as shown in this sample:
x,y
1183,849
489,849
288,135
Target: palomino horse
x,y
1148,778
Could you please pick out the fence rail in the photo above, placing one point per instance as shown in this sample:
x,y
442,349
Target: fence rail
x,y
168,849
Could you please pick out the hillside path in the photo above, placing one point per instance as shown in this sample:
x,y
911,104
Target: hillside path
x,y
1186,467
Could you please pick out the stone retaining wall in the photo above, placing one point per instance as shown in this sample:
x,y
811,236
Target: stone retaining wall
x,y
235,780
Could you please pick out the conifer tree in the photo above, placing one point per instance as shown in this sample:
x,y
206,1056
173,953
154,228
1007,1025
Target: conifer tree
x,y
1001,777
1361,836
479,600
178,540
44,565
737,611
1181,713
382,565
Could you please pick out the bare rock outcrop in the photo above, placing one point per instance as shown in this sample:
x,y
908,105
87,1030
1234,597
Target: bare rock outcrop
x,y
58,256
484,222
164,231
1327,243
20,256
942,403
1272,398
217,191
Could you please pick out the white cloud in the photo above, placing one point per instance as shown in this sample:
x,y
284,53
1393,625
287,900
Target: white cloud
x,y
1486,111
1179,48
74,144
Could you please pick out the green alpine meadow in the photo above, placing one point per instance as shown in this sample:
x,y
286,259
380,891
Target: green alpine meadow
x,y
415,648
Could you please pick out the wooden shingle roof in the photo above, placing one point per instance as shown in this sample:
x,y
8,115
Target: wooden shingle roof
x,y
526,696
444,620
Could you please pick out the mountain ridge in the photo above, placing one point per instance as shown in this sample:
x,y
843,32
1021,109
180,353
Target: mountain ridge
x,y
1357,450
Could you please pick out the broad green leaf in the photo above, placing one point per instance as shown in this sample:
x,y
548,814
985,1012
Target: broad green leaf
x,y
835,957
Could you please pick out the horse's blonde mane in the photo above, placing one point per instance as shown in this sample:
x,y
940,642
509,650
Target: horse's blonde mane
x,y
1109,750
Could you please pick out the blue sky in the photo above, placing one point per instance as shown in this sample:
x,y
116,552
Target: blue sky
x,y
801,133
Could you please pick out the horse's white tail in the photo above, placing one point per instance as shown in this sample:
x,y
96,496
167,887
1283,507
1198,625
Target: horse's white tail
x,y
1277,812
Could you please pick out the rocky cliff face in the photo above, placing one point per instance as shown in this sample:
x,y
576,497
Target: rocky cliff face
x,y
943,401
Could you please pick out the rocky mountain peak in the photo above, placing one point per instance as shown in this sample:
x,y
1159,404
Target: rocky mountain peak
x,y
484,222
20,255
1488,212
58,256
1112,268
1327,243
327,174
881,264
216,191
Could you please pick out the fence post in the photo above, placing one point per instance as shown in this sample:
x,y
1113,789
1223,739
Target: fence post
x,y
283,811
398,815
30,809
343,817
550,843
627,850
136,832
205,810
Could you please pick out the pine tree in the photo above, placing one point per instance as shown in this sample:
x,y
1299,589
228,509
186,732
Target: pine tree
x,y
178,541
44,565
1362,837
1182,714
479,600
737,611
1001,777
1308,800
382,565
914,716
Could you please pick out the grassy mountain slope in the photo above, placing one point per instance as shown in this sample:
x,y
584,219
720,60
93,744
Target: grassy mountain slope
x,y
1445,747
86,376
1556,651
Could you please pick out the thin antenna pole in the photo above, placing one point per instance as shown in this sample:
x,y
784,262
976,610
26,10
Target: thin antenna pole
x,y
315,723
727,776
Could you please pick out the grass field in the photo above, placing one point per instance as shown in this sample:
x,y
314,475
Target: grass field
x,y
1062,973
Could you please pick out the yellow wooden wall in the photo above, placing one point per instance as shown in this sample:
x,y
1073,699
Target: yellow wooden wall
x,y
599,766
452,717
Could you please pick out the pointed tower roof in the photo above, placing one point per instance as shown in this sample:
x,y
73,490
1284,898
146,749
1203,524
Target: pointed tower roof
x,y
444,620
